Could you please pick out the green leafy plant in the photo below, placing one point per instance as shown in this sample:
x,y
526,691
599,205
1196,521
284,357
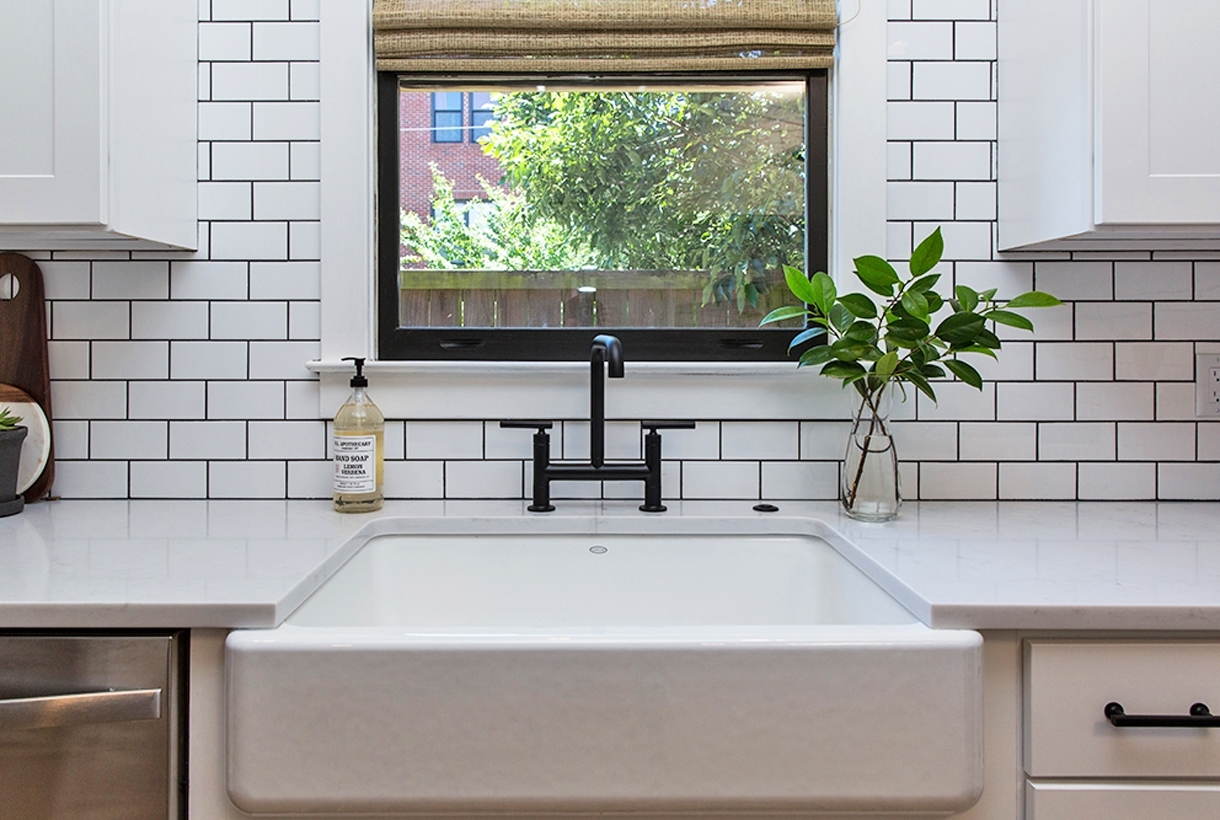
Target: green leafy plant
x,y
7,420
912,335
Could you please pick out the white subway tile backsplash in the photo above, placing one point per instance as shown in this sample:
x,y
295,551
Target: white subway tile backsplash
x,y
304,82
898,9
91,479
800,480
483,479
976,120
925,440
71,438
89,400
224,41
245,400
974,41
1175,401
128,439
169,320
305,160
304,320
249,161
286,41
623,440
963,240
207,360
998,441
911,200
759,440
1076,361
958,401
1195,321
975,200
920,41
951,9
287,121
304,240
1075,280
1115,482
282,360
1154,361
225,121
919,121
311,479
1153,280
898,81
1125,401
1207,281
1017,401
287,439
898,160
714,480
206,440
1076,441
249,240
961,481
426,479
166,400
249,320
952,161
68,360
249,81
1188,482
1113,320
951,81
247,479
824,440
1034,480
250,9
1156,441
130,360
130,280
434,440
90,320
208,280
65,280
225,200
169,479
286,200
703,442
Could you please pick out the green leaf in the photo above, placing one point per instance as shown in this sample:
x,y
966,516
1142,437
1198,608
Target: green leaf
x,y
921,383
1005,317
1034,298
877,275
910,330
843,370
924,283
806,335
932,371
960,328
886,364
859,305
928,254
847,350
967,297
986,351
965,372
815,355
987,295
840,318
800,285
915,304
861,331
935,302
779,314
988,339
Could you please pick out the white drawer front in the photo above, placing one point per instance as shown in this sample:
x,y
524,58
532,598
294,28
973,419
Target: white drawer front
x,y
1152,801
1068,684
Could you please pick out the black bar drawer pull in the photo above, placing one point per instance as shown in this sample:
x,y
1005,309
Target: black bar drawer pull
x,y
1200,717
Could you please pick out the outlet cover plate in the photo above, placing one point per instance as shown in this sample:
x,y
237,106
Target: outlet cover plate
x,y
1207,385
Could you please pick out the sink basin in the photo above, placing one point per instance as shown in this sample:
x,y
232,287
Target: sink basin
x,y
538,666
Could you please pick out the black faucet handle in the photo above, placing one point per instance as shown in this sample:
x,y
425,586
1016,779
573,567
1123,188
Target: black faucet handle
x,y
674,424
527,424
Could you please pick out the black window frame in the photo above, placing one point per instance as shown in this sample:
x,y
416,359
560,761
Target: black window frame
x,y
395,343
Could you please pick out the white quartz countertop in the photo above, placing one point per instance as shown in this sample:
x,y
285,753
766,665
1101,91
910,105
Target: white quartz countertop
x,y
980,565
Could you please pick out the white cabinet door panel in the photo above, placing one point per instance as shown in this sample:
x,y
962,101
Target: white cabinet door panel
x,y
1121,801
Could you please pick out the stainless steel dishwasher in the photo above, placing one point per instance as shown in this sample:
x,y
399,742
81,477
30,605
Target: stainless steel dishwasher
x,y
91,727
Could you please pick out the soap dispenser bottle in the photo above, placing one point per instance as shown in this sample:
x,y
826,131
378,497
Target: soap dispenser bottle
x,y
359,449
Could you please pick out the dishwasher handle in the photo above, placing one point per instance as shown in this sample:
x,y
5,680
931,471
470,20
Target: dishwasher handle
x,y
80,709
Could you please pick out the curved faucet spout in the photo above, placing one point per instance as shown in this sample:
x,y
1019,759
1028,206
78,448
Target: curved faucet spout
x,y
605,349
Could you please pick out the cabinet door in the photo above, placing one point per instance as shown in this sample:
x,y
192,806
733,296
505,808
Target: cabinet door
x,y
1158,112
1121,801
51,107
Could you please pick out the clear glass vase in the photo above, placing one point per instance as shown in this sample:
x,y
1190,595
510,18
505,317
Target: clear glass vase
x,y
870,489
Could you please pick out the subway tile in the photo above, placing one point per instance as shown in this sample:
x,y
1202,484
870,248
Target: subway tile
x,y
311,479
130,360
71,438
483,479
224,42
1175,401
1159,441
1208,440
951,81
1117,482
924,440
287,439
439,440
89,400
1188,482
623,440
975,200
287,200
759,440
1031,480
1075,280
1115,401
1007,277
304,320
130,280
225,200
1154,361
919,41
304,81
898,240
204,89
169,320
976,121
247,479
249,320
231,121
898,81
1078,441
919,200
285,280
957,481
908,480
919,121
1014,363
998,441
249,9
1078,361
245,400
974,41
426,479
963,240
1192,321
1207,281
208,280
824,440
952,161
395,436
287,121
207,440
128,439
283,360
90,320
1114,320
207,360
1152,280
510,443
64,280
714,480
249,160
302,400
898,9
166,400
250,81
958,401
306,9
305,240
249,240
951,9
305,160
898,160
91,479
800,480
68,360
169,479
286,41
703,442
1034,401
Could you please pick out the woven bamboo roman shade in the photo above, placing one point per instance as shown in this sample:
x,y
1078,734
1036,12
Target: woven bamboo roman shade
x,y
603,35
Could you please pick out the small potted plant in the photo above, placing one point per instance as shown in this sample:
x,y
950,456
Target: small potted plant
x,y
12,434
911,336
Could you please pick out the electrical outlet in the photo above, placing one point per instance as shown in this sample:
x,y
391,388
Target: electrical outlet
x,y
1207,384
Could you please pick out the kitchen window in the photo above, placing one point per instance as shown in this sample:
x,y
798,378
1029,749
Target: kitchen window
x,y
660,208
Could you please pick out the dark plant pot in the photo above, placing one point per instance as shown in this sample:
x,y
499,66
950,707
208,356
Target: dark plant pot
x,y
10,458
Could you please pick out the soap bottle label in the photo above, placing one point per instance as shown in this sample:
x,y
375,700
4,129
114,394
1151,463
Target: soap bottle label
x,y
355,464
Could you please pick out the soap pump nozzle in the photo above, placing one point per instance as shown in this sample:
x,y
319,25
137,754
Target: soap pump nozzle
x,y
359,380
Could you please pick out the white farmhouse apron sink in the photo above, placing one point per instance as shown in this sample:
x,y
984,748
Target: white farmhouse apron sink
x,y
561,665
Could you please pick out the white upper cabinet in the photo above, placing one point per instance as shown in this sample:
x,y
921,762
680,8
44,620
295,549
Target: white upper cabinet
x,y
1109,124
97,124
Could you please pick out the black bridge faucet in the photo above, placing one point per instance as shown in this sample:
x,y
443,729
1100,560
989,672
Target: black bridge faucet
x,y
605,352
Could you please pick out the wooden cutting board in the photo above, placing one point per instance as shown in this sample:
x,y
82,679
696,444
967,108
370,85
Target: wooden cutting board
x,y
23,345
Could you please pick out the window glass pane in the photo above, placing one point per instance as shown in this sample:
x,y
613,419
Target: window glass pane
x,y
667,205
446,116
